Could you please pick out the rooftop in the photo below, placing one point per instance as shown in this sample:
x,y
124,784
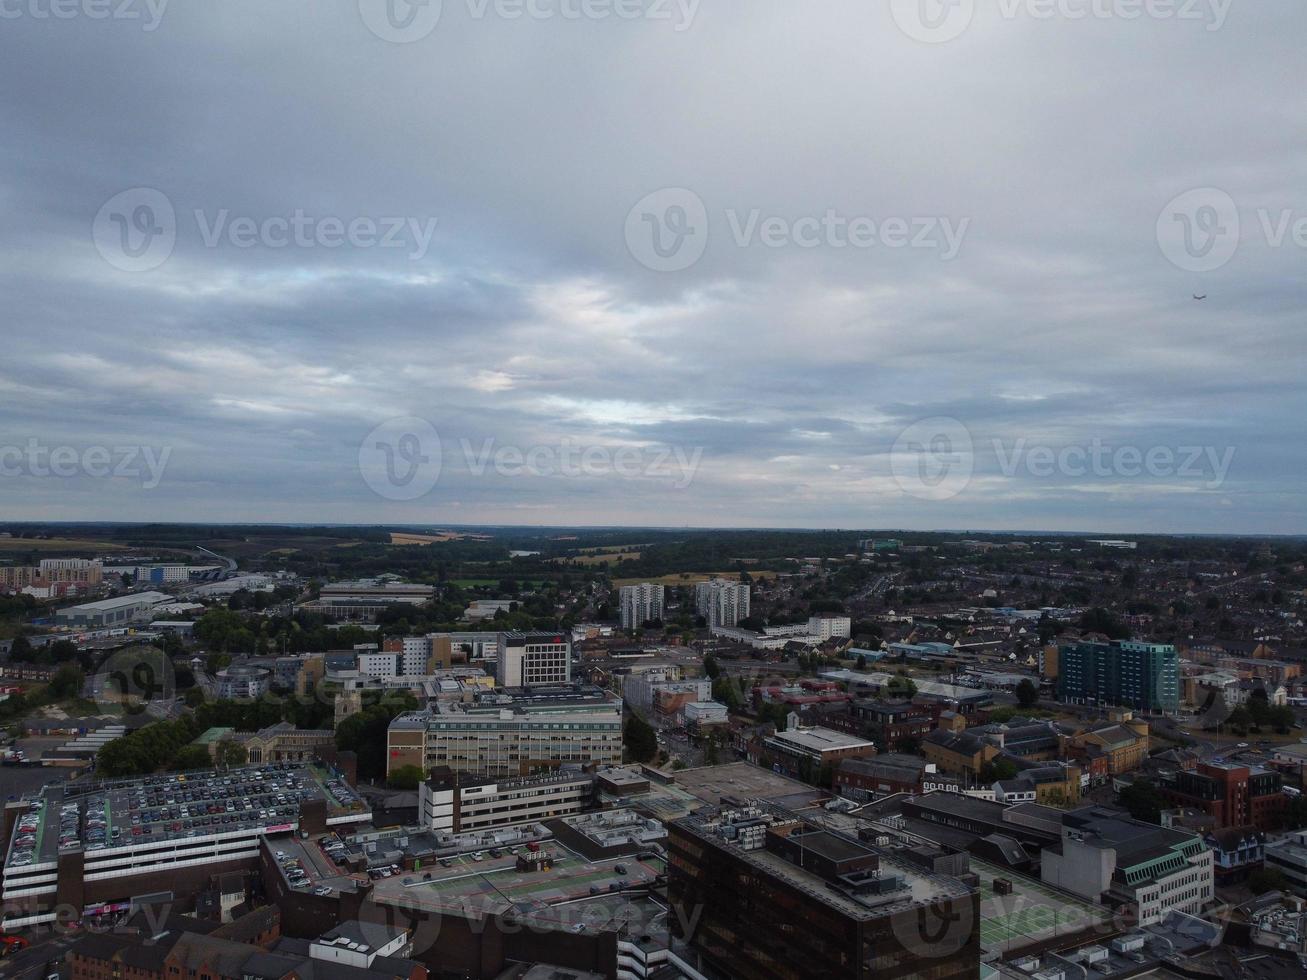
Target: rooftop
x,y
822,739
112,816
918,887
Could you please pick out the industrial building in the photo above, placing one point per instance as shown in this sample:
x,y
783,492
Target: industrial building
x,y
361,601
123,610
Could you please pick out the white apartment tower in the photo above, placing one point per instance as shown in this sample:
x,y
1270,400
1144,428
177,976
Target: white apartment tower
x,y
640,604
722,602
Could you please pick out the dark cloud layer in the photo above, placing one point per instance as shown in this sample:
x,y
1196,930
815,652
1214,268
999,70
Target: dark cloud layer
x,y
783,375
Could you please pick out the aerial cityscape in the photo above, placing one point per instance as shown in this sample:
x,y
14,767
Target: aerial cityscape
x,y
653,490
498,752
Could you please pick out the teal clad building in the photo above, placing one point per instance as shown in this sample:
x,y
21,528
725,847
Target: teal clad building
x,y
1124,673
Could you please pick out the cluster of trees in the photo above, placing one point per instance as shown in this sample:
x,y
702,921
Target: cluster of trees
x,y
151,748
1259,713
639,738
1099,620
364,733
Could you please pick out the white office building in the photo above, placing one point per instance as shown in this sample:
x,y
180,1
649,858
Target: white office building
x,y
534,659
457,804
722,602
640,604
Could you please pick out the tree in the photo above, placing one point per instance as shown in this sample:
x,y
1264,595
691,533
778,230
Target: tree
x,y
640,739
1265,880
405,777
1143,801
67,682
231,754
192,757
727,693
1240,719
711,669
901,687
999,769
1027,693
1282,718
20,651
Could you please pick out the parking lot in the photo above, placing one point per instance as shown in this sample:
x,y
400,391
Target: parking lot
x,y
171,806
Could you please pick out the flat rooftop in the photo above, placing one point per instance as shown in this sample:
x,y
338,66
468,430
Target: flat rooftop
x,y
118,602
572,894
741,780
821,739
920,887
118,814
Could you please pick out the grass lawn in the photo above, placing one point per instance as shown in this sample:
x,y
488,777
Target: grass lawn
x,y
58,544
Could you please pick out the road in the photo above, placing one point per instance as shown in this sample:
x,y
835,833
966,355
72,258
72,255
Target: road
x,y
30,964
229,562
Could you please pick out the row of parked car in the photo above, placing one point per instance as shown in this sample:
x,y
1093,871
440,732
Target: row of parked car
x,y
25,834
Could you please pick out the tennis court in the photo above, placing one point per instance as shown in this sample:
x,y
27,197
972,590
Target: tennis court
x,y
1030,914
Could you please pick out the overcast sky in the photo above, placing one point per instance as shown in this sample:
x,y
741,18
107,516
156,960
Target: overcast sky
x,y
745,262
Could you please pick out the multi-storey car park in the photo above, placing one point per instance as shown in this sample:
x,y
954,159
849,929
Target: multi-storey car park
x,y
96,844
